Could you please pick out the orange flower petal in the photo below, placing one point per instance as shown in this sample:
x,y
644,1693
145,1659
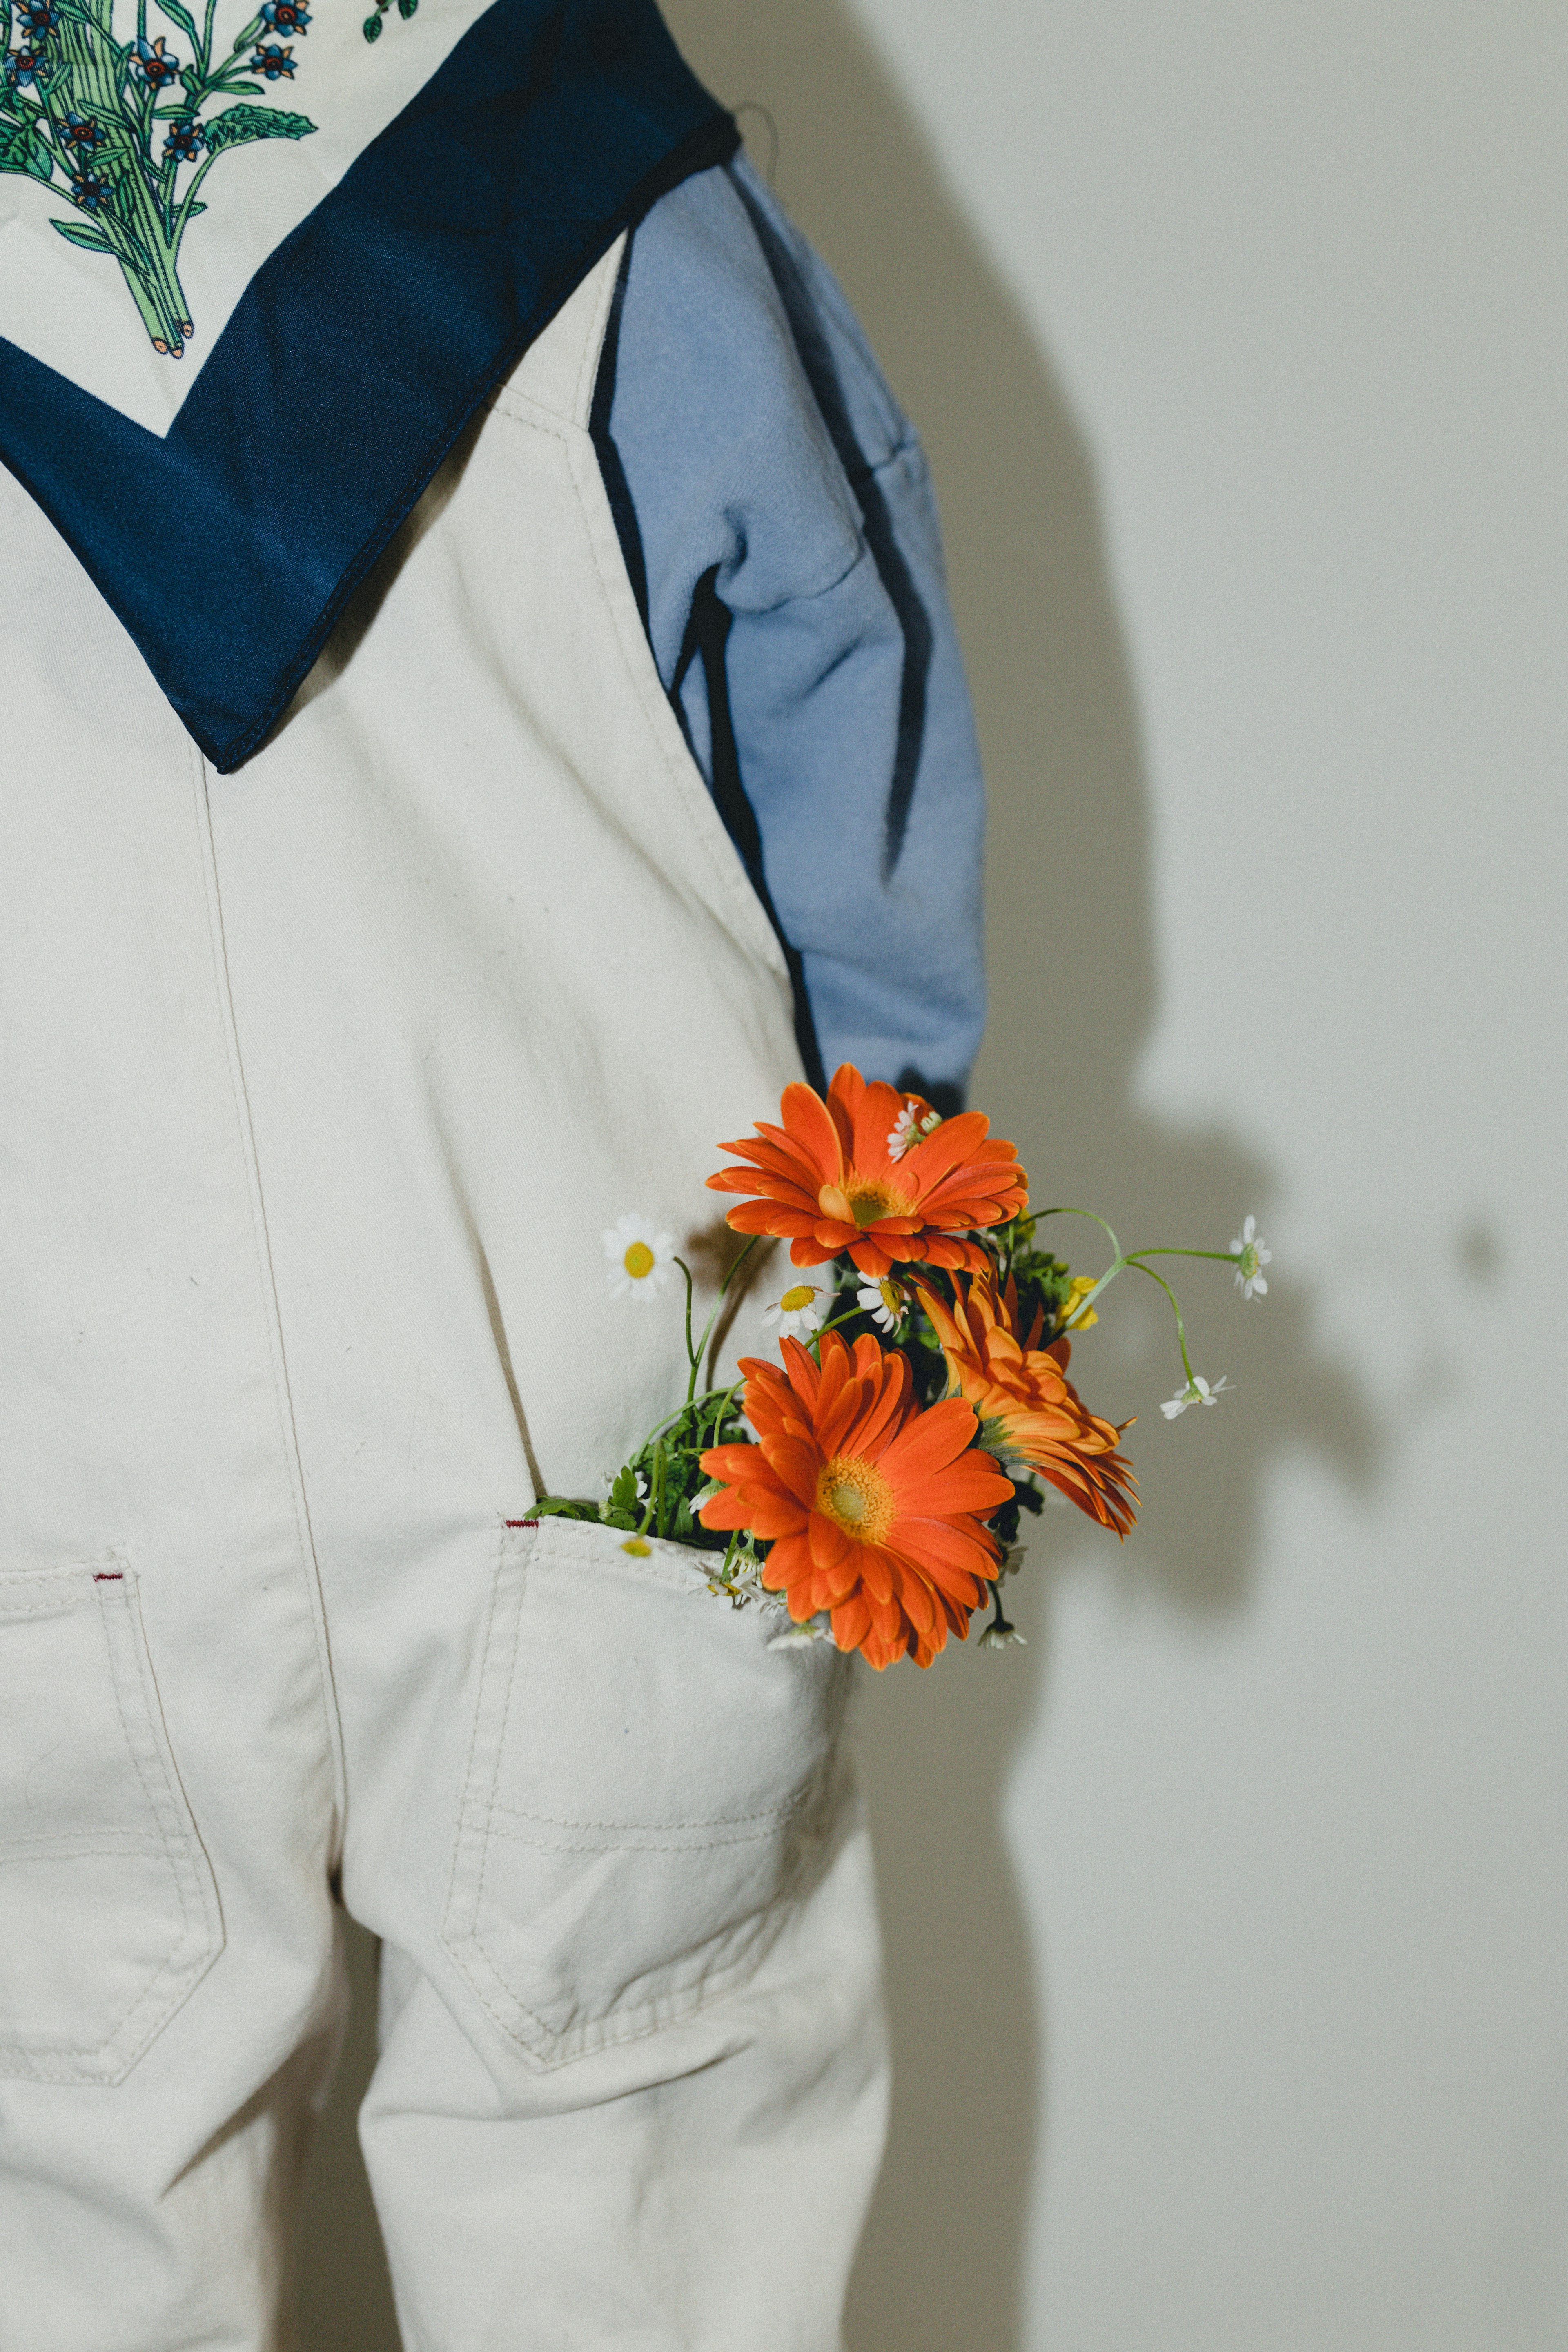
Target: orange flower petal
x,y
832,1158
914,1558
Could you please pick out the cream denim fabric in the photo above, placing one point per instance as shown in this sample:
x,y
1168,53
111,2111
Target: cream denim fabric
x,y
318,1086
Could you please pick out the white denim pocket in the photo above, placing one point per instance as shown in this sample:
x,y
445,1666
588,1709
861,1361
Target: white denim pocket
x,y
108,1910
648,1784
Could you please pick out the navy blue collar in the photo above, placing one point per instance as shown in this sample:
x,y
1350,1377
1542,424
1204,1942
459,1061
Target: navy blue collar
x,y
358,352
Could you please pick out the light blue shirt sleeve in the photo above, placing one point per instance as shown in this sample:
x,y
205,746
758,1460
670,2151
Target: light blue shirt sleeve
x,y
778,524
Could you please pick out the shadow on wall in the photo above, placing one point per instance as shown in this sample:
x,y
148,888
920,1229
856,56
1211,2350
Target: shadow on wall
x,y
1073,981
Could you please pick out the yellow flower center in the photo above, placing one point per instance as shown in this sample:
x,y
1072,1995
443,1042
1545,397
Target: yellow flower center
x,y
893,1298
856,1496
799,1295
870,1203
635,1545
638,1260
863,1201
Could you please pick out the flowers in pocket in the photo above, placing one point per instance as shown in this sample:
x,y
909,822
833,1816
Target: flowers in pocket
x,y
870,1484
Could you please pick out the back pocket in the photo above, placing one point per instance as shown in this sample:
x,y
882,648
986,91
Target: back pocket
x,y
647,1788
109,1910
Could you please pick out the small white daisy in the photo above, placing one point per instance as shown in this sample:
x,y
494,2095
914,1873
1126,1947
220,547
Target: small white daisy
x,y
638,1260
1250,1255
1198,1392
1002,1637
883,1301
799,1312
909,1128
796,1637
742,1586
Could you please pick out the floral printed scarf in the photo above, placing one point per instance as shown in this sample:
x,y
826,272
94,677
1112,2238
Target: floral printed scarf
x,y
255,276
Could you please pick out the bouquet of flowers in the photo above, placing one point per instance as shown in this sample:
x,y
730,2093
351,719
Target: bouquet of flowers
x,y
870,1485
124,122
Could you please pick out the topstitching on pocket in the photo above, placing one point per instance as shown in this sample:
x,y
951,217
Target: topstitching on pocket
x,y
111,1915
647,1786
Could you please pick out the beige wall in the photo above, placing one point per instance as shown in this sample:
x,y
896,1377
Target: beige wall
x,y
1227,1921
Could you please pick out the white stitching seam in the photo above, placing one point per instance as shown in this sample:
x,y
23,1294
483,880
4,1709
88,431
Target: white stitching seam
x,y
169,1800
277,1360
116,1618
774,1813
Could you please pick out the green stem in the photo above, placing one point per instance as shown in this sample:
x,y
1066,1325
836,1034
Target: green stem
x,y
1226,1258
670,1418
726,1404
1041,1214
718,1303
134,222
823,1330
691,1360
653,1485
182,216
1175,1308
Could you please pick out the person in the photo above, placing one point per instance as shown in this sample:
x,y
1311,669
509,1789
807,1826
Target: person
x,y
472,737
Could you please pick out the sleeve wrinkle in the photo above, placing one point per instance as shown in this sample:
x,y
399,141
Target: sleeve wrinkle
x,y
800,624
877,519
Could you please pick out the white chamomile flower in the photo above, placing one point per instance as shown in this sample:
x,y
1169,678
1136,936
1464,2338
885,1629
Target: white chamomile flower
x,y
796,1637
1002,1637
742,1585
798,1313
706,1495
638,1260
883,1301
1251,1257
909,1128
1197,1391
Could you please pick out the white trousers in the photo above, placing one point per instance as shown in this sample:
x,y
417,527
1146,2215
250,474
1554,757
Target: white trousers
x,y
318,1087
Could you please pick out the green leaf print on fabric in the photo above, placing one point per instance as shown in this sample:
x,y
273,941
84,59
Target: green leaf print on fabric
x,y
91,240
243,122
125,130
22,150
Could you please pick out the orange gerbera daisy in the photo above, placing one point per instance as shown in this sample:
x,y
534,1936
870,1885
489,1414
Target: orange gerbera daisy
x,y
869,1503
1029,1411
844,1175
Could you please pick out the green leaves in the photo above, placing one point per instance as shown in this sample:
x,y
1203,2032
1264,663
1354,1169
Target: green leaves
x,y
82,233
371,28
23,149
241,124
185,21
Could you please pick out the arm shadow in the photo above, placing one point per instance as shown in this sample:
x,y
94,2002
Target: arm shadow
x,y
1074,998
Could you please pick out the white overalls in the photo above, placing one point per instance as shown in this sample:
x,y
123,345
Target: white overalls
x,y
319,1084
